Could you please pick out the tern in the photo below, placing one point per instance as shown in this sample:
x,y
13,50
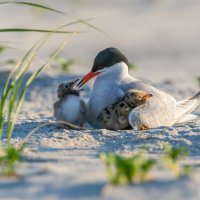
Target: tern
x,y
112,83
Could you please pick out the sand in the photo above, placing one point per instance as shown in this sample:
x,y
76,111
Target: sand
x,y
161,38
65,164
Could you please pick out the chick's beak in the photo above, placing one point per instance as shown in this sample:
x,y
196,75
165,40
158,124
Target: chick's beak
x,y
74,82
85,79
147,96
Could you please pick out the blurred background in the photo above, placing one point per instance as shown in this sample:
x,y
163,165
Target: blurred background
x,y
160,37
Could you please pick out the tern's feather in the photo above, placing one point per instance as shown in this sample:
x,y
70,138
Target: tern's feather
x,y
185,107
187,118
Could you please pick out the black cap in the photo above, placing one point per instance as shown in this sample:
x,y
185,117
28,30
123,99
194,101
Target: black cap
x,y
107,58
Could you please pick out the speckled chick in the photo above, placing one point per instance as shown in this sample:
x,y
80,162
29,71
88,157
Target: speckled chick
x,y
70,107
116,115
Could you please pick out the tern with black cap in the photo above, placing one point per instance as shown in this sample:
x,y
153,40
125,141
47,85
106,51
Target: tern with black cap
x,y
113,81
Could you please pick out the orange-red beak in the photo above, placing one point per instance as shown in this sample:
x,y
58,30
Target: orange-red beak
x,y
89,76
147,96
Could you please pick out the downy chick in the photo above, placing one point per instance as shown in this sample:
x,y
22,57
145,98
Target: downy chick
x,y
116,115
69,107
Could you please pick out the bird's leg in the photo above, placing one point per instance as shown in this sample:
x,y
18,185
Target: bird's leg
x,y
143,127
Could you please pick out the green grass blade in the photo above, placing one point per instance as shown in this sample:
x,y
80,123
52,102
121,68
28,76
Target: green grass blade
x,y
35,30
12,118
57,11
19,70
16,86
34,5
4,95
93,27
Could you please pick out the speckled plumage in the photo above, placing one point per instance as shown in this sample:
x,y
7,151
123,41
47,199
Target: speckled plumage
x,y
116,115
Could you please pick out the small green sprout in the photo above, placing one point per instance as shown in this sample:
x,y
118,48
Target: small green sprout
x,y
10,156
138,168
122,170
64,63
172,158
11,61
132,66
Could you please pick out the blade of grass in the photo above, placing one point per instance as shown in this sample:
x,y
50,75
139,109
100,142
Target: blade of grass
x,y
7,89
22,94
33,30
29,55
33,5
57,11
13,96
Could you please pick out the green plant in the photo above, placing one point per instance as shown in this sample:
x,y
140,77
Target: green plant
x,y
132,66
123,170
138,168
172,159
9,158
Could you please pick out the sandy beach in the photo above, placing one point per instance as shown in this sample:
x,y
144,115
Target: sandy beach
x,y
161,38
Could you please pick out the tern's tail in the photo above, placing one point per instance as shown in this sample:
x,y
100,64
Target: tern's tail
x,y
185,107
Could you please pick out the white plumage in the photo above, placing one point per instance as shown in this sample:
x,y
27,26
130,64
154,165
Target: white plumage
x,y
70,108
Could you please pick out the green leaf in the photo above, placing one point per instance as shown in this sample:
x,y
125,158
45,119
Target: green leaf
x,y
124,170
9,158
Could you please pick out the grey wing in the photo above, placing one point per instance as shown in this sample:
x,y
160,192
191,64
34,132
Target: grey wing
x,y
185,107
57,110
83,113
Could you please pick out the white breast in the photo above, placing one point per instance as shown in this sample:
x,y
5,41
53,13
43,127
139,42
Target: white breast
x,y
106,88
70,108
